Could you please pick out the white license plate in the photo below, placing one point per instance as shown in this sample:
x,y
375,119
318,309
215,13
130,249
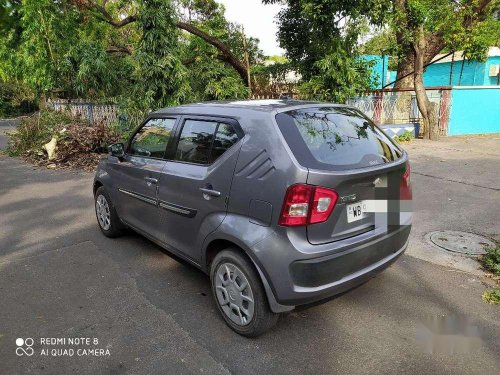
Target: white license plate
x,y
357,211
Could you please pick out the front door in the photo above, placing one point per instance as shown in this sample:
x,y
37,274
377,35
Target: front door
x,y
195,185
137,175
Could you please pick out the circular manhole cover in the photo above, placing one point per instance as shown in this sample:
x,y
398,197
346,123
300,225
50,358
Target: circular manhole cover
x,y
460,242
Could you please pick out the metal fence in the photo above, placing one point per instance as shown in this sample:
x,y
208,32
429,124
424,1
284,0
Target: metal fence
x,y
93,113
387,107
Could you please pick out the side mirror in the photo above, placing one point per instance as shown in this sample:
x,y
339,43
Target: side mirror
x,y
117,150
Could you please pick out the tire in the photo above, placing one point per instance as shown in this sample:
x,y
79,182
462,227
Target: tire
x,y
115,227
230,264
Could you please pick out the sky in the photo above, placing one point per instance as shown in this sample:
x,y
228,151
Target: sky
x,y
258,21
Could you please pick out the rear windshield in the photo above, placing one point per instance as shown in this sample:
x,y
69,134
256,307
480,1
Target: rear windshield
x,y
335,138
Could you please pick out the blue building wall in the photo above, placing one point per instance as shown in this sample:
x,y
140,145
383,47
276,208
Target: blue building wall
x,y
475,73
474,110
379,70
491,80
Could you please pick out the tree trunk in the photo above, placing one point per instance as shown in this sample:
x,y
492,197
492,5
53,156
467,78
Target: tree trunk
x,y
42,104
426,108
405,68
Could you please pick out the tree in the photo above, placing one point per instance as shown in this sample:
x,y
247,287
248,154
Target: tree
x,y
446,24
423,28
321,39
321,42
143,53
162,78
120,15
210,76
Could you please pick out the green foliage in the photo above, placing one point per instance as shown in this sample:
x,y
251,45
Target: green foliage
x,y
161,77
462,25
74,48
15,99
321,43
48,33
492,296
93,73
407,136
382,43
339,77
491,261
210,77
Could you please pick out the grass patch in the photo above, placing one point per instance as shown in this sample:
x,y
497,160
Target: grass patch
x,y
491,263
491,260
492,296
406,137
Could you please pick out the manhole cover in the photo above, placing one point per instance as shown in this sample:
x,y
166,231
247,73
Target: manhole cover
x,y
460,242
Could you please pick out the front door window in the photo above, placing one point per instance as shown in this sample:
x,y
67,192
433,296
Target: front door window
x,y
152,139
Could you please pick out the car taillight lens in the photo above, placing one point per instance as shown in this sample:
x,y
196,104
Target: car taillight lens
x,y
323,202
405,188
307,204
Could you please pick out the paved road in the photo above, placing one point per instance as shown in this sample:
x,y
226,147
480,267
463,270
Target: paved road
x,y
6,126
59,277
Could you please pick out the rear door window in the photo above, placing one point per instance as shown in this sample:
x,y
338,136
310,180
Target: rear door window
x,y
203,142
224,138
195,141
335,138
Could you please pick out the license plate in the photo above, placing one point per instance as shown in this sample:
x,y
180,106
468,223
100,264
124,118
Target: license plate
x,y
356,211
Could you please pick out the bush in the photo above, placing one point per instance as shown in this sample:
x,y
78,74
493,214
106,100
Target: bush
x,y
15,99
492,296
407,136
491,260
79,144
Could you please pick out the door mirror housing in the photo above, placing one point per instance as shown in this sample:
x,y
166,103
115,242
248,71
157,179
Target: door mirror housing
x,y
117,150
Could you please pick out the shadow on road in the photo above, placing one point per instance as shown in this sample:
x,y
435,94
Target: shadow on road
x,y
147,298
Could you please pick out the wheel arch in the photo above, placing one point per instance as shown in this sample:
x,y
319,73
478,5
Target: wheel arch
x,y
216,245
97,184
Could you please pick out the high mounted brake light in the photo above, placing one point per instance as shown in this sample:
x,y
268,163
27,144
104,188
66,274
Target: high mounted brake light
x,y
307,204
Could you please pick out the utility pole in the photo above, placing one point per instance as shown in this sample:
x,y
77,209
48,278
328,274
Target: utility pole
x,y
247,62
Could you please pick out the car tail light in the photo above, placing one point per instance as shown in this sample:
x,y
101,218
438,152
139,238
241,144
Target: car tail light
x,y
307,204
405,188
323,202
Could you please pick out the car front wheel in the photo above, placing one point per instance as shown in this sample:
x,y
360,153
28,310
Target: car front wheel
x,y
107,218
239,294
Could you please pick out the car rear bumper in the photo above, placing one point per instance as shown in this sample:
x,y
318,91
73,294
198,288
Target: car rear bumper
x,y
301,281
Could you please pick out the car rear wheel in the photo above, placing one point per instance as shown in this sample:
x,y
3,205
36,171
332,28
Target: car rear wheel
x,y
107,218
239,294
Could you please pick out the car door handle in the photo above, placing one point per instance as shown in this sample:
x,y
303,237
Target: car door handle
x,y
213,193
151,180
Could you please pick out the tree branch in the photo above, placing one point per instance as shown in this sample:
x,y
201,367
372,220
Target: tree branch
x,y
225,53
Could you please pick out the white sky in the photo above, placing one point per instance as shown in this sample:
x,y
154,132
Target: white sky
x,y
258,21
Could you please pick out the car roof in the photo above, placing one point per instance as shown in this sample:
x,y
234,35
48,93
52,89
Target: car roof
x,y
263,105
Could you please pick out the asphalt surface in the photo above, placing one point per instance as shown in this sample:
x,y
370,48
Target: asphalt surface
x,y
5,127
59,277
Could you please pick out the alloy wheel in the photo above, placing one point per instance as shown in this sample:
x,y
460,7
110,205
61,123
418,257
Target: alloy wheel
x,y
103,212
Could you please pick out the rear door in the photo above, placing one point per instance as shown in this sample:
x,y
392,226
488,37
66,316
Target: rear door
x,y
346,152
137,176
195,184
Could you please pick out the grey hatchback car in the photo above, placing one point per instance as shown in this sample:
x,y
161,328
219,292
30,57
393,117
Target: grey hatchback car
x,y
281,202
